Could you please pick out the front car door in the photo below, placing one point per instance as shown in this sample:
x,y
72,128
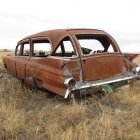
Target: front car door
x,y
10,61
23,58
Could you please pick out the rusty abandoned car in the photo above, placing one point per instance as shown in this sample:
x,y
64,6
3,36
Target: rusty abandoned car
x,y
64,61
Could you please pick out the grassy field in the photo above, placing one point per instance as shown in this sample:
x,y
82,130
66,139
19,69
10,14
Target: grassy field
x,y
27,114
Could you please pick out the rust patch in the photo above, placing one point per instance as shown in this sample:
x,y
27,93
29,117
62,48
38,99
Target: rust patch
x,y
50,71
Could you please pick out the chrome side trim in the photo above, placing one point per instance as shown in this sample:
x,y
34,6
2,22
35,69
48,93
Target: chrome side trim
x,y
67,93
103,82
123,77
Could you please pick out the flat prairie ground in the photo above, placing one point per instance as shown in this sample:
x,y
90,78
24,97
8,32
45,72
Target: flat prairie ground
x,y
32,114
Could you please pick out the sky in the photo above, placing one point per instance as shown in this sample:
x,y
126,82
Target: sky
x,y
120,18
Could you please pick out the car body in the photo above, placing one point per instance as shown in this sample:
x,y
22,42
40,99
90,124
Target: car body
x,y
67,60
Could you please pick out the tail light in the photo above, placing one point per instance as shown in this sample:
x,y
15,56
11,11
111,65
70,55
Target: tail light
x,y
70,83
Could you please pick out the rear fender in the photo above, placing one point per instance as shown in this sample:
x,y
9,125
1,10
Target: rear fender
x,y
52,72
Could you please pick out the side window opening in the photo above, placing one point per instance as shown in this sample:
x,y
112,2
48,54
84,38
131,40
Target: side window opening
x,y
18,48
41,48
92,44
26,49
65,48
23,49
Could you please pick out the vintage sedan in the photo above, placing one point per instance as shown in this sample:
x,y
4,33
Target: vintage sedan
x,y
65,61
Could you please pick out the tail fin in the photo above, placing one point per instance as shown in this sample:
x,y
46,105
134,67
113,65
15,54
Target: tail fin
x,y
131,56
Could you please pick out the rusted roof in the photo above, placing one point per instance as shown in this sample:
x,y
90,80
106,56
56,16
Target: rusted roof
x,y
61,32
57,34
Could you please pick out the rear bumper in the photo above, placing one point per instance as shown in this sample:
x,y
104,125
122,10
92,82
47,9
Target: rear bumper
x,y
121,78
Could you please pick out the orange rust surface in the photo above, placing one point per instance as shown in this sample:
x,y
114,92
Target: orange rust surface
x,y
50,72
97,68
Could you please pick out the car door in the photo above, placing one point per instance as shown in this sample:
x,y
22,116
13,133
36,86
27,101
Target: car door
x,y
23,59
35,68
10,61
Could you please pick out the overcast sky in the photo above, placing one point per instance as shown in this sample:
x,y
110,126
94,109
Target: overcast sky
x,y
120,18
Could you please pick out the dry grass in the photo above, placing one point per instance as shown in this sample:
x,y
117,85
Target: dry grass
x,y
29,114
137,60
4,54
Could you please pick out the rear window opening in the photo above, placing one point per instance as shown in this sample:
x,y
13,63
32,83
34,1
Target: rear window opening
x,y
92,44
